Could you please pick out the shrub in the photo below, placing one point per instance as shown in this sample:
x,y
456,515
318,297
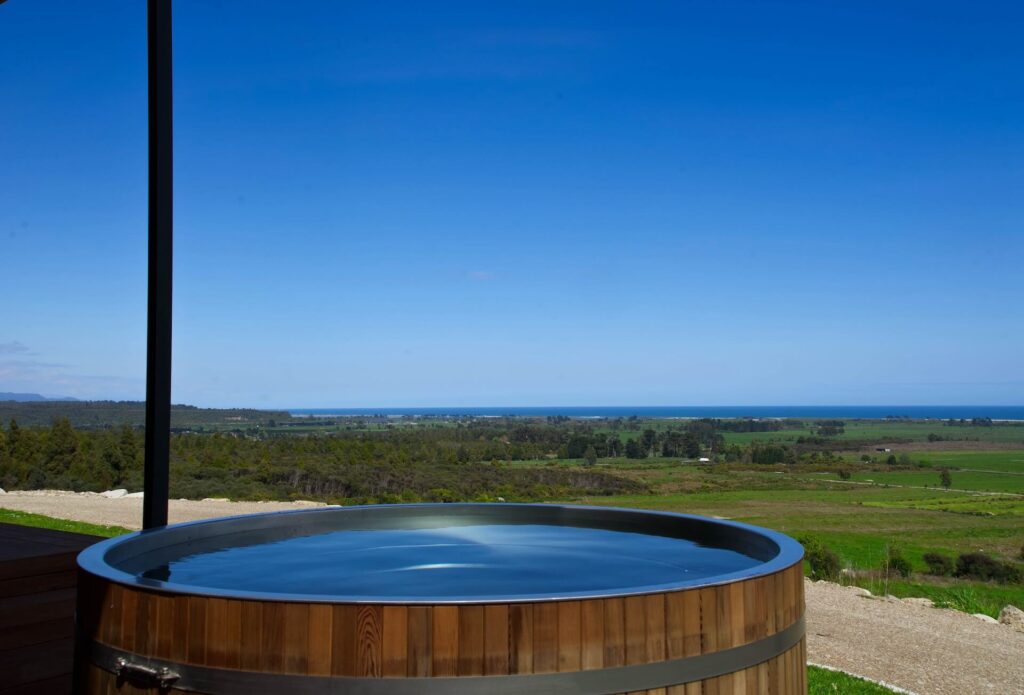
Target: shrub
x,y
981,566
824,564
844,474
895,563
945,478
938,564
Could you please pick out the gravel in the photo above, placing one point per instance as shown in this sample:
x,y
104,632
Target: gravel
x,y
911,646
126,510
914,647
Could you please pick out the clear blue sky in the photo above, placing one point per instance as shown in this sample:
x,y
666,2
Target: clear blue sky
x,y
530,203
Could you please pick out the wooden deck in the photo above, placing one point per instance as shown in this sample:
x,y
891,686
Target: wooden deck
x,y
37,608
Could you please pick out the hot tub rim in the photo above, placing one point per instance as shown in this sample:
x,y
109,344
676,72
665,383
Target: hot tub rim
x,y
93,559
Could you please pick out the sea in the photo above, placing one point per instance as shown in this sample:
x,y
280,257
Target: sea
x,y
850,412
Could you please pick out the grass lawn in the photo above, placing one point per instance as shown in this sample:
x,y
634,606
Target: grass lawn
x,y
821,681
10,516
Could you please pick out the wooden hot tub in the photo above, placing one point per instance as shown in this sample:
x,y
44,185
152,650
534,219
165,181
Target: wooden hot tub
x,y
455,598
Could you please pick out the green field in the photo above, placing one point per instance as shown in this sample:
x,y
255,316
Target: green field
x,y
859,519
897,431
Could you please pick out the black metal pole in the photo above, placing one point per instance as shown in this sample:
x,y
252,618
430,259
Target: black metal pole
x,y
158,349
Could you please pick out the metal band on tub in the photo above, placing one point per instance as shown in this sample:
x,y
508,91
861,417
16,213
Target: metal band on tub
x,y
160,673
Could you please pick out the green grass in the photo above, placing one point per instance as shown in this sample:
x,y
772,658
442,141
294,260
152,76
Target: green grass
x,y
821,681
856,521
10,516
969,597
961,480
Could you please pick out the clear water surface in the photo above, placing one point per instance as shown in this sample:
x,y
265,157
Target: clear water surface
x,y
457,562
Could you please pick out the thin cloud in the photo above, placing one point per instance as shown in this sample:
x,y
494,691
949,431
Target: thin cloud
x,y
13,348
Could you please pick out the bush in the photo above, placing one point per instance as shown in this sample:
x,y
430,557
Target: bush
x,y
824,564
938,564
981,566
895,563
945,478
844,474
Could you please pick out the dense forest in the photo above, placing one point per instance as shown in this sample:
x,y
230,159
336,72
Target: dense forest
x,y
424,464
250,454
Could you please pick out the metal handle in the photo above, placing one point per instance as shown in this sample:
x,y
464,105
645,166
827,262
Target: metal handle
x,y
140,673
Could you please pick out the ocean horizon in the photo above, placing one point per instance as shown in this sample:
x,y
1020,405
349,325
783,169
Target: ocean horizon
x,y
853,412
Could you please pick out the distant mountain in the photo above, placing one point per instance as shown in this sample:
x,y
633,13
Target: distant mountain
x,y
27,397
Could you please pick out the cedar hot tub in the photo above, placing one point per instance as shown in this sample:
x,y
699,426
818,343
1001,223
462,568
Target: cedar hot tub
x,y
453,598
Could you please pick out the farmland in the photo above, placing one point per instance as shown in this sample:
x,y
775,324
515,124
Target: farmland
x,y
865,489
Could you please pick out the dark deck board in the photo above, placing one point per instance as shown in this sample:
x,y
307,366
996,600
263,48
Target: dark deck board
x,y
37,608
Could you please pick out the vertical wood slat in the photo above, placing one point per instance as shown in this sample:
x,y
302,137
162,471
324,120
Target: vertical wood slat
x,y
343,640
520,637
445,640
215,635
272,646
471,641
545,637
195,648
251,643
296,638
395,641
592,635
636,630
321,630
654,616
614,632
570,629
368,641
419,655
496,640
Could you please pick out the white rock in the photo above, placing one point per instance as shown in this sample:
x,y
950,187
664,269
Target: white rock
x,y
115,494
2,491
860,591
308,503
926,602
985,618
1012,616
215,499
135,494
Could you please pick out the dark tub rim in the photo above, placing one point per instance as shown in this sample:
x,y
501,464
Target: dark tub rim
x,y
121,558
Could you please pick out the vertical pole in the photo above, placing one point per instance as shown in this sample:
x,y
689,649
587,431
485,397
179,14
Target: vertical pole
x,y
158,349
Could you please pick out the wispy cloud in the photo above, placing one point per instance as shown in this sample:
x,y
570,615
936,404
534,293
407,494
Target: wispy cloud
x,y
13,348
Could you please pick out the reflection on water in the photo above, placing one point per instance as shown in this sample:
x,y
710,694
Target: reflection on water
x,y
458,562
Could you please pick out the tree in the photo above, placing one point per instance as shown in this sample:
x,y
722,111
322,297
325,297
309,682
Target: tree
x,y
946,478
691,445
634,450
650,437
590,455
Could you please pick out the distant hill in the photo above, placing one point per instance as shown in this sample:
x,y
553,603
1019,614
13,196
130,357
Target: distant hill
x,y
30,397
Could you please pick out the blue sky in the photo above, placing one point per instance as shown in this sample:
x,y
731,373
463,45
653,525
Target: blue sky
x,y
588,203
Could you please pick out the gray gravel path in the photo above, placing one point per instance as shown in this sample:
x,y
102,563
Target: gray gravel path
x,y
920,649
127,511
